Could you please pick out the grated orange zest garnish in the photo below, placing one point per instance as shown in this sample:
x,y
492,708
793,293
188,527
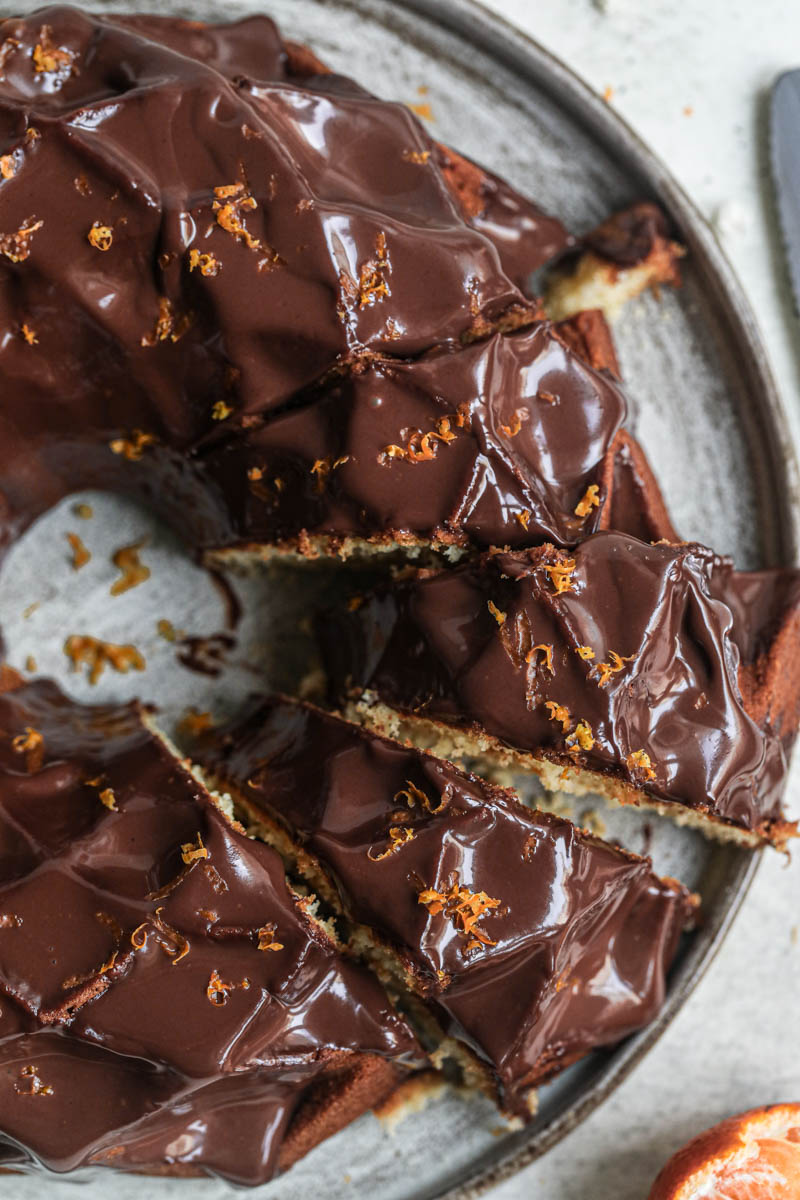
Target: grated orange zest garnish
x,y
462,908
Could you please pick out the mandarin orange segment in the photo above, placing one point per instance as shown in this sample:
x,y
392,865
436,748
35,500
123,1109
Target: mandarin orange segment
x,y
755,1156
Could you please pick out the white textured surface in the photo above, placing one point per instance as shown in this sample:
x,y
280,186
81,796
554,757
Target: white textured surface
x,y
736,1042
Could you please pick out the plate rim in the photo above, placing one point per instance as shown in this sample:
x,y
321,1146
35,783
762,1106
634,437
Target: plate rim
x,y
518,52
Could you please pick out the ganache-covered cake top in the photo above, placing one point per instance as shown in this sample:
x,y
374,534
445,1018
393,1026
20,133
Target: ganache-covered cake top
x,y
164,998
656,664
533,940
195,227
508,441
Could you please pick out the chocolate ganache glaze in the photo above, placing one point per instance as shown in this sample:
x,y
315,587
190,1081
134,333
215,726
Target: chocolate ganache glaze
x,y
658,666
165,1000
192,228
552,942
509,441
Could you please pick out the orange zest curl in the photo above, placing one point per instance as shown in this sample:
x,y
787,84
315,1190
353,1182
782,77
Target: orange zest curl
x,y
191,853
266,937
561,574
80,555
31,744
323,466
399,835
372,284
548,397
30,335
96,654
581,738
101,236
133,571
171,942
584,652
463,908
605,670
108,799
206,264
497,613
217,990
421,447
221,411
416,156
169,325
133,447
194,723
415,795
8,168
231,200
591,499
639,760
547,651
523,517
16,246
511,430
49,59
29,1083
558,712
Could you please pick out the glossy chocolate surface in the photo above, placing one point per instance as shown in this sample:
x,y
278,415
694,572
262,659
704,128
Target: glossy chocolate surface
x,y
191,231
642,649
496,443
580,938
144,1020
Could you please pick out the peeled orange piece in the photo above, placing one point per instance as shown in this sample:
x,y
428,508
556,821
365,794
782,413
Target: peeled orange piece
x,y
755,1156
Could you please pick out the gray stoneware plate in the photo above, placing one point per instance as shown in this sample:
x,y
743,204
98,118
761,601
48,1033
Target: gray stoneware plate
x,y
707,412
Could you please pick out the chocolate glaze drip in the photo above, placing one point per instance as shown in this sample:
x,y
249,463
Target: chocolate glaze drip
x,y
140,1024
579,946
518,427
679,618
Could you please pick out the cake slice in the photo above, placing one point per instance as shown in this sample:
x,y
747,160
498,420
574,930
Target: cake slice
x,y
528,941
508,441
654,674
622,257
169,1005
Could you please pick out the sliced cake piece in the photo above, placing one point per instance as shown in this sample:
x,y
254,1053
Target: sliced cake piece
x,y
509,441
529,941
626,254
655,674
168,1004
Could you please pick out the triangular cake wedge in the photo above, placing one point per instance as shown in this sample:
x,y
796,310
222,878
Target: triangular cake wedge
x,y
168,1004
654,674
508,441
528,941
